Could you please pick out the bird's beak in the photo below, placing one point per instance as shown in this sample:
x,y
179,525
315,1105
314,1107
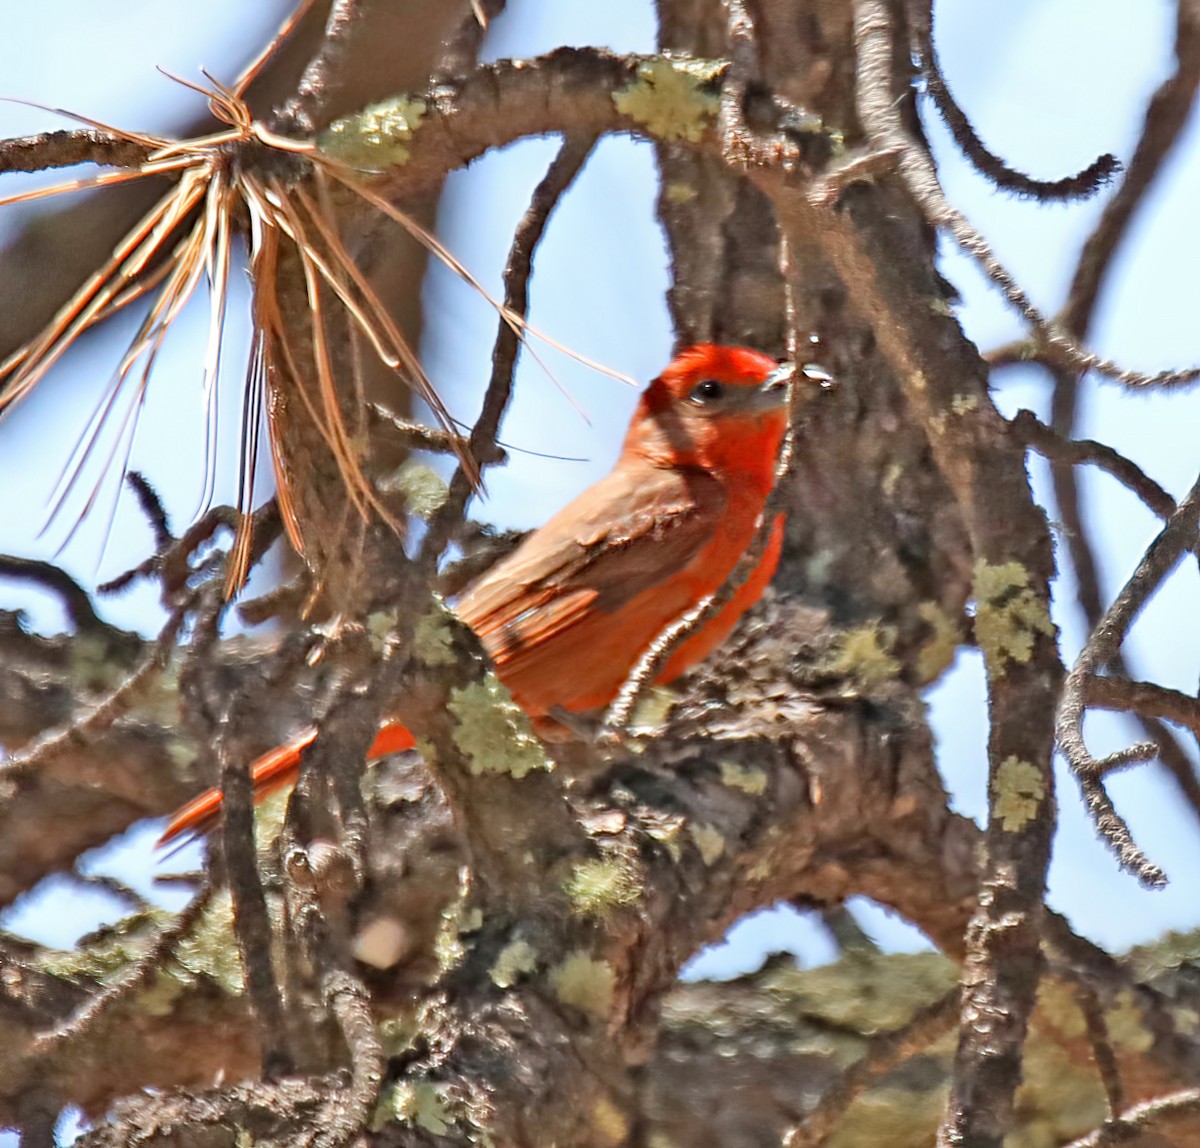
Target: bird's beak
x,y
774,389
772,393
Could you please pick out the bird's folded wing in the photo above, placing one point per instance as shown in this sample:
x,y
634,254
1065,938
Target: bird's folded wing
x,y
633,531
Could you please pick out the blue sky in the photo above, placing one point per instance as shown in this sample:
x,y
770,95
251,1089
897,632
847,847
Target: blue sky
x,y
1048,83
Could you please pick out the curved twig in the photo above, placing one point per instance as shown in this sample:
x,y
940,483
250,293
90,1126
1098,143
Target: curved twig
x,y
482,446
1102,646
1139,1116
884,1053
1082,185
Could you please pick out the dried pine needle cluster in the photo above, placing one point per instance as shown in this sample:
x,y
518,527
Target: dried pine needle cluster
x,y
244,178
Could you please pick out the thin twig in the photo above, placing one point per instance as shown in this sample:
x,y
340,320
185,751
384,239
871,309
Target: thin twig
x,y
320,884
1166,116
1102,647
1102,1048
1074,452
561,173
417,436
69,148
302,112
461,52
1145,699
1081,185
114,887
1139,1116
152,507
76,601
884,1053
135,978
88,727
251,922
888,132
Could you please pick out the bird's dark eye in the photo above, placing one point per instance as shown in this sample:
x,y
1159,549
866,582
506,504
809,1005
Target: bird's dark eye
x,y
706,392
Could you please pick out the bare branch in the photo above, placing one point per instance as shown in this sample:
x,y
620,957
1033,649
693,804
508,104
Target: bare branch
x,y
1102,647
1074,452
565,166
1140,1116
885,1053
1082,185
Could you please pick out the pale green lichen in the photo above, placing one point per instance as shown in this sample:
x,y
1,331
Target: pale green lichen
x,y
1171,951
964,404
1126,1024
597,888
666,828
380,626
609,1121
897,1117
672,98
584,983
424,490
422,1103
1018,792
517,958
210,948
457,919
864,654
398,1034
376,138
182,751
941,306
938,652
866,991
651,711
748,780
103,955
92,665
159,997
1058,1009
432,639
158,698
493,731
679,192
709,841
1062,1096
891,479
1008,615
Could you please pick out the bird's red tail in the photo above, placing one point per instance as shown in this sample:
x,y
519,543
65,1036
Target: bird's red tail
x,y
276,769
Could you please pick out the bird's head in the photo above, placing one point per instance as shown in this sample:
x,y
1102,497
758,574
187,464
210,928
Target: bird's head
x,y
718,408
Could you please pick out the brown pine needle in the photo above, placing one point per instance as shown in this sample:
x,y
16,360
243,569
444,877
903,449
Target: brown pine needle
x,y
252,69
219,208
143,138
156,262
360,491
380,329
102,179
264,257
80,311
186,268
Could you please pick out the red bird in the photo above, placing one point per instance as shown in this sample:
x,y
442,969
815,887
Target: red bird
x,y
568,614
